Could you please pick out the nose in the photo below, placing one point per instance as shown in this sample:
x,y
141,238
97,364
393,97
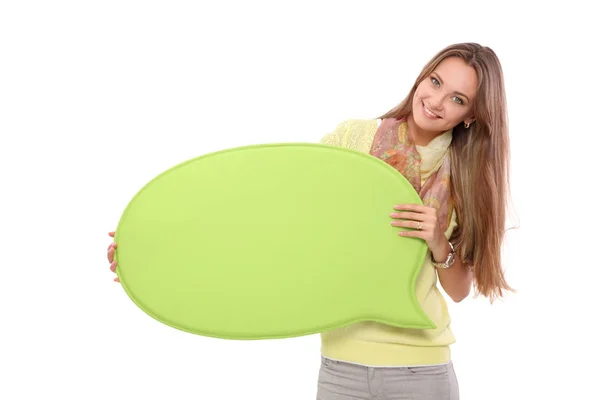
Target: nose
x,y
436,102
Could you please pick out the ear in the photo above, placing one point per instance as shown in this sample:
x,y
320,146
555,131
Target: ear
x,y
469,120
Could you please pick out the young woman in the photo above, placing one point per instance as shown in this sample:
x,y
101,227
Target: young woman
x,y
449,138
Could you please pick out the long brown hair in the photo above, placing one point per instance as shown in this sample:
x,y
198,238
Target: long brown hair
x,y
480,174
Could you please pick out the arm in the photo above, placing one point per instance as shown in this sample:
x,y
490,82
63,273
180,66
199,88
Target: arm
x,y
456,280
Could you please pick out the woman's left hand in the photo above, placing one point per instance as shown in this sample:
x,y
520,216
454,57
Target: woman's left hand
x,y
424,222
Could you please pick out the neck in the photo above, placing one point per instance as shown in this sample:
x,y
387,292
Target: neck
x,y
420,136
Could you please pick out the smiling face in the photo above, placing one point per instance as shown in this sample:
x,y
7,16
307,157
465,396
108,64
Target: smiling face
x,y
446,97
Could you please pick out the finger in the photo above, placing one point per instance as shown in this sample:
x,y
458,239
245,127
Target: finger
x,y
116,280
415,234
409,215
111,234
113,266
111,255
408,207
410,224
414,208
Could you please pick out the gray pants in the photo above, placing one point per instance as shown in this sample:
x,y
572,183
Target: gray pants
x,y
344,381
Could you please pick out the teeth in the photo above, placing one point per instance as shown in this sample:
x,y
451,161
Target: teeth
x,y
428,111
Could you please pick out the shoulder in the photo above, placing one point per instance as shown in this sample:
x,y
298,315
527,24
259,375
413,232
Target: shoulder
x,y
360,124
353,133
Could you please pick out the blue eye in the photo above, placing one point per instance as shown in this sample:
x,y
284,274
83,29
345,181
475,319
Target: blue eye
x,y
457,100
435,82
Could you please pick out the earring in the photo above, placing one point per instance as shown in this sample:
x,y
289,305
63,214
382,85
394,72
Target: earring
x,y
467,124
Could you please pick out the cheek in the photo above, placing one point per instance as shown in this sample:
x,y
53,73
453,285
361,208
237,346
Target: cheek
x,y
420,95
421,92
455,114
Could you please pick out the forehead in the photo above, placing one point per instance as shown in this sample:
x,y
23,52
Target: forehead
x,y
457,75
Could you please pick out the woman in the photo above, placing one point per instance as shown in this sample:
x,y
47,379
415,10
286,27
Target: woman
x,y
449,138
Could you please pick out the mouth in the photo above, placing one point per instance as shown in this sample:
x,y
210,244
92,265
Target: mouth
x,y
428,113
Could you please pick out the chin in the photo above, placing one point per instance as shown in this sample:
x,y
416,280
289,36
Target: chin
x,y
427,124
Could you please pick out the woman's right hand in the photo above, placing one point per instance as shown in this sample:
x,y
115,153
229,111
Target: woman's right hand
x,y
111,255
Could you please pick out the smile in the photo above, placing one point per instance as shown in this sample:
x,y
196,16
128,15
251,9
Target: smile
x,y
429,113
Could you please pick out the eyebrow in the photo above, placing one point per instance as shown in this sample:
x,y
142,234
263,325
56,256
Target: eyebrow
x,y
442,82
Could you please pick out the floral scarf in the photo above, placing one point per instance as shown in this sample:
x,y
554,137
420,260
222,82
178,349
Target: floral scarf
x,y
393,144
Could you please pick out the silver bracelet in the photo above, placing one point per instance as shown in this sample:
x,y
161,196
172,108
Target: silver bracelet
x,y
449,260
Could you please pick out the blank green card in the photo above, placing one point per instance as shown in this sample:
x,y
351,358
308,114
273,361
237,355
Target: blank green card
x,y
272,241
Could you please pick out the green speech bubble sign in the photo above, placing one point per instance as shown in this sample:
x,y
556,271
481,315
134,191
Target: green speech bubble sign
x,y
272,241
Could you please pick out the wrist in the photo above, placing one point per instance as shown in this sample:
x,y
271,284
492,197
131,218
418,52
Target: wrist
x,y
441,252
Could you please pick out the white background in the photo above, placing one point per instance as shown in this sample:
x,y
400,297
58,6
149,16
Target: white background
x,y
98,97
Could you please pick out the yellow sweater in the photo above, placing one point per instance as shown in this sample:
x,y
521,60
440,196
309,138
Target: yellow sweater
x,y
375,344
